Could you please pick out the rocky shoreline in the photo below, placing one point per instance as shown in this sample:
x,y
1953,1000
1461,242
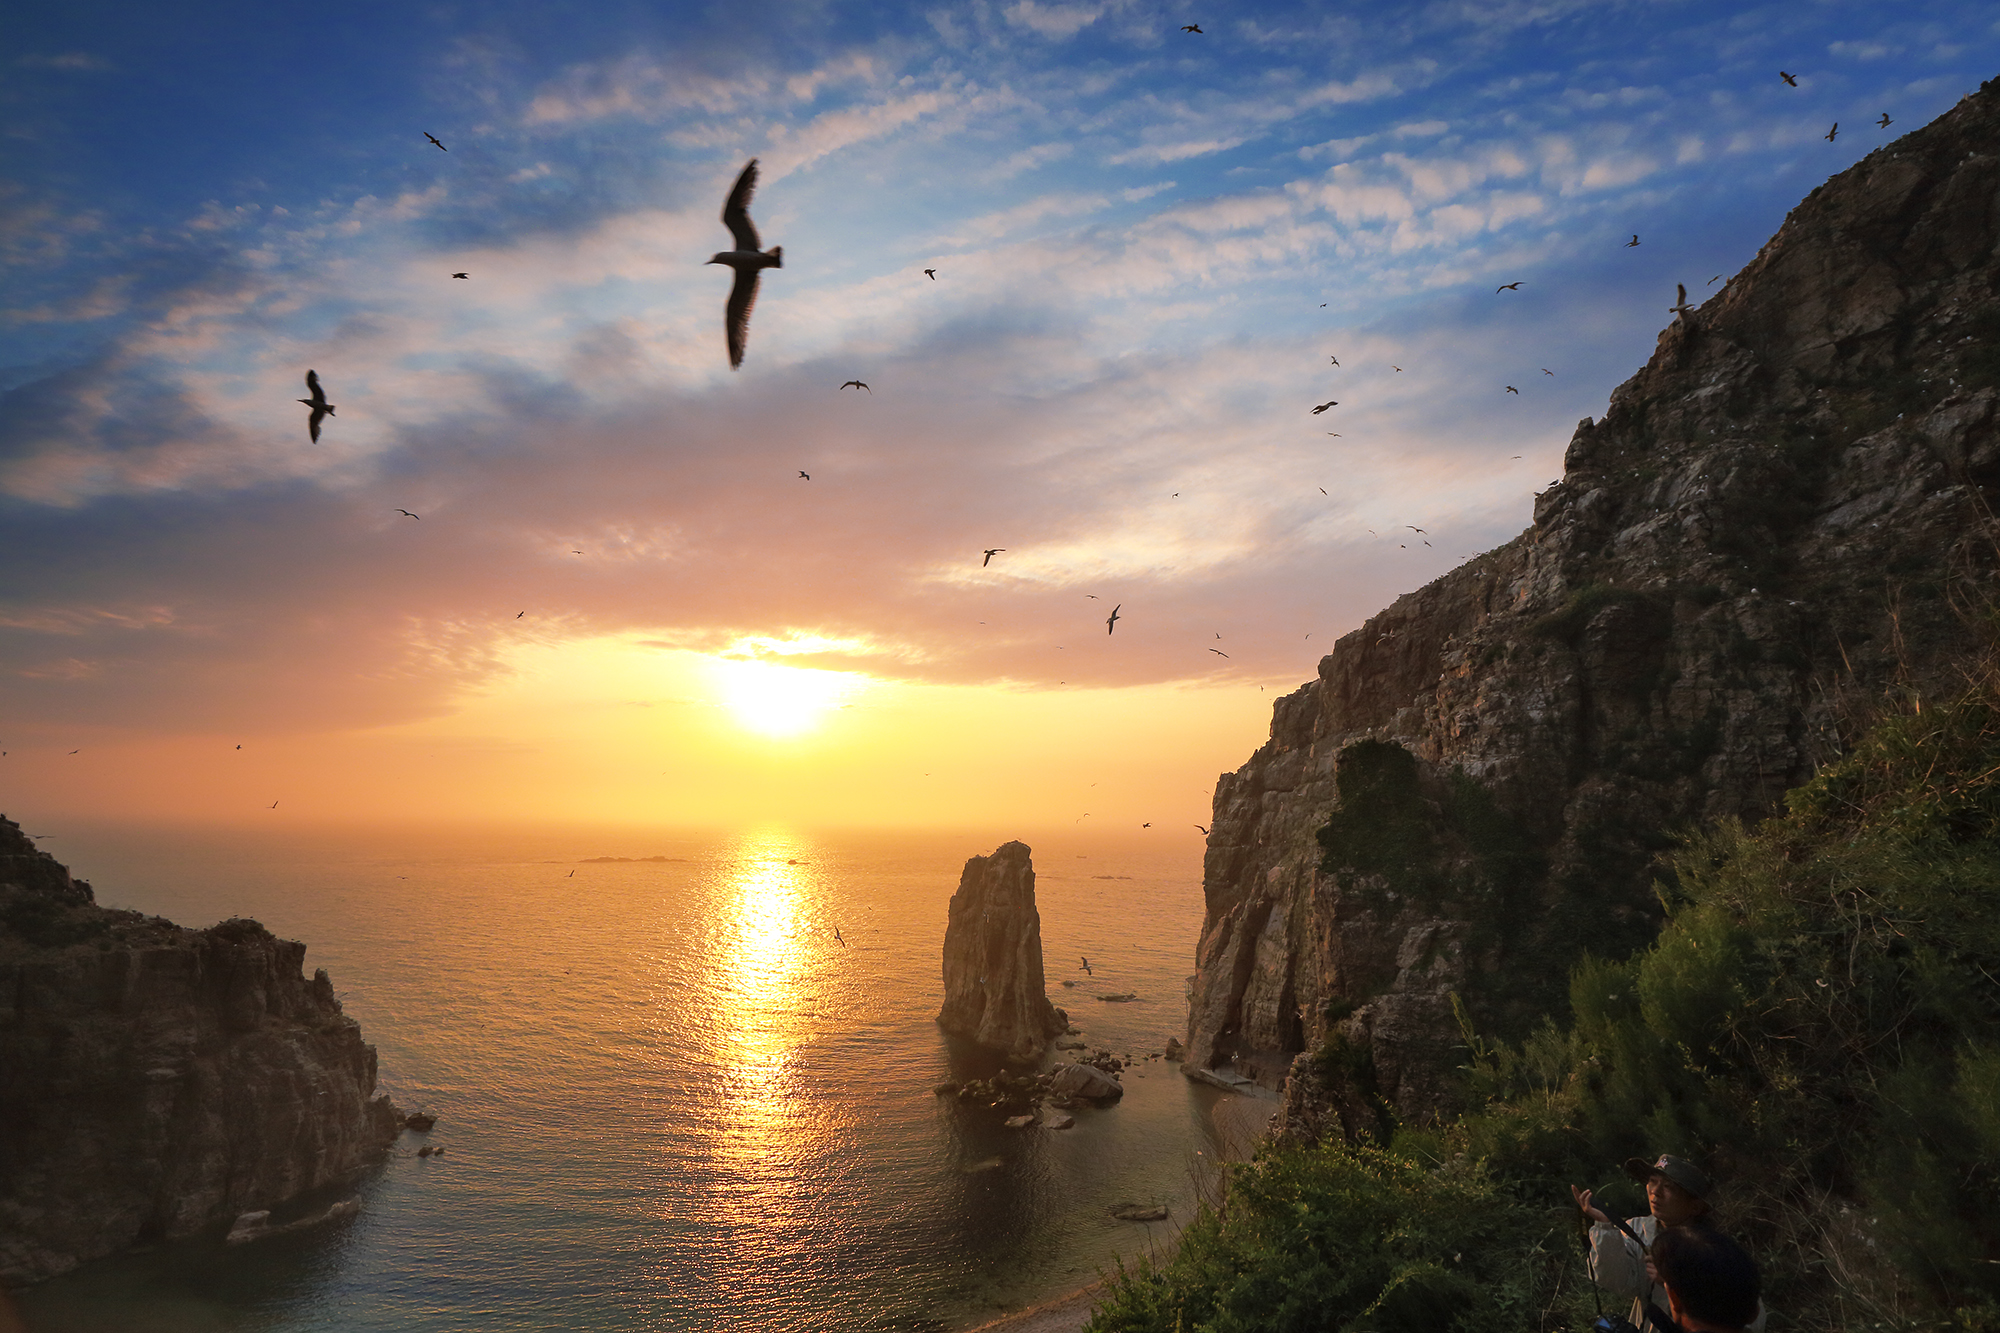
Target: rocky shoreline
x,y
161,1081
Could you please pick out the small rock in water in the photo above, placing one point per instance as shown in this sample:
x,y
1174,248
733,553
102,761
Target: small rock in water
x,y
1019,1121
425,1152
1175,1051
946,1089
1132,1212
1059,1122
419,1121
1120,998
1069,1044
990,1164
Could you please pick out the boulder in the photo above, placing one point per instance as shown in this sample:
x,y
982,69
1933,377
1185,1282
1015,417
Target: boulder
x,y
1019,1121
419,1121
994,990
1175,1051
1084,1083
1059,1122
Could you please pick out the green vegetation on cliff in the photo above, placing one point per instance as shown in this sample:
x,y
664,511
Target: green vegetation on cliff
x,y
1818,1019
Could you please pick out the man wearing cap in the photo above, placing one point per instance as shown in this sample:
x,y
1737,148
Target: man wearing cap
x,y
1677,1193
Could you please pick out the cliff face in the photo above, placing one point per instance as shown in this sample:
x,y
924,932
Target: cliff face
x,y
155,1080
1785,512
994,991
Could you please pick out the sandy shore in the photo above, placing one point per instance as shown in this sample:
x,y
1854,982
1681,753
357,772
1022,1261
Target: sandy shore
x,y
1064,1314
1239,1121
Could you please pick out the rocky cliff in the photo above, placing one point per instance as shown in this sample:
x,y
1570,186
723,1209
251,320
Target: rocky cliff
x,y
1785,512
156,1080
994,991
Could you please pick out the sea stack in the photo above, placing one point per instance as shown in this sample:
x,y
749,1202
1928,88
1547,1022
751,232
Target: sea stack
x,y
994,993
156,1080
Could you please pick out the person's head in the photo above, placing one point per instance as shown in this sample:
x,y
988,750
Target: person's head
x,y
1676,1189
1711,1282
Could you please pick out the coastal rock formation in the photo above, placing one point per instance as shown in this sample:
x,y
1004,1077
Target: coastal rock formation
x,y
156,1080
994,993
1784,513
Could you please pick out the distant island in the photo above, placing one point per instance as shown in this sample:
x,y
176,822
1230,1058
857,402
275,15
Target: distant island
x,y
602,860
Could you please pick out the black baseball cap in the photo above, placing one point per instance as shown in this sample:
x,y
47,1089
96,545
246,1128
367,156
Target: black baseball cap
x,y
1677,1169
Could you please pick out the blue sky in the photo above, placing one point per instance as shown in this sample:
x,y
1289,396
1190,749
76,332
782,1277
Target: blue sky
x,y
1149,246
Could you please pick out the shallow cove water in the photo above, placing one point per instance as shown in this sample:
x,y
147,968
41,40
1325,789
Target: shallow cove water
x,y
668,1098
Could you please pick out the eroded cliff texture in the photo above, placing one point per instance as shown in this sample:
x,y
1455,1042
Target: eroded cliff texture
x,y
1784,513
994,991
155,1080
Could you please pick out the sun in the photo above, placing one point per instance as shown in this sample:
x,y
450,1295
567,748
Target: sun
x,y
780,701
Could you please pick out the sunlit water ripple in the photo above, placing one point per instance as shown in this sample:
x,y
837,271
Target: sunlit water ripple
x,y
669,1098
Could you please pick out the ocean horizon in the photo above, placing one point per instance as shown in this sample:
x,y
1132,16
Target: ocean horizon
x,y
668,1097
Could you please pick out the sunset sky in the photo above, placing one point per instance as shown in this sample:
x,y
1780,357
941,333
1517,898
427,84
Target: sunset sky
x,y
621,601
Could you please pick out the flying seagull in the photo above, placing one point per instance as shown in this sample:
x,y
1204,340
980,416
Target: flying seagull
x,y
433,139
807,475
1111,621
857,384
1414,528
1791,80
1634,241
1885,122
1512,389
746,259
1203,828
1218,652
1832,132
321,409
1680,305
931,273
1192,27
1712,281
462,275
1323,406
1507,287
1086,960
1334,359
519,614
407,513
836,936
989,556
1547,371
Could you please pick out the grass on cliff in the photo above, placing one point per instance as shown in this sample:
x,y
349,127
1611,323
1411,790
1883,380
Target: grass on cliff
x,y
1818,1021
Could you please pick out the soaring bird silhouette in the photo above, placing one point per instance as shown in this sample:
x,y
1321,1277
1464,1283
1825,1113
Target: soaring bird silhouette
x,y
990,553
1885,122
1111,621
1634,241
1203,828
1547,371
746,259
1507,287
836,936
433,139
857,384
1680,305
807,475
466,276
1086,965
1830,134
931,273
1512,389
321,409
1334,359
1791,80
1218,652
1191,27
1323,406
407,514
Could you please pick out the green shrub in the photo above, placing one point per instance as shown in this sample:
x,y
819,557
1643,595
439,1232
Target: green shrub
x,y
1347,1238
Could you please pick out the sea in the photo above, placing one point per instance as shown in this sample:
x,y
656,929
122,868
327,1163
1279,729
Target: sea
x,y
669,1098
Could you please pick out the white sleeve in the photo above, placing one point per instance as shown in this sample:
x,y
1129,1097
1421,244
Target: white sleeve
x,y
1618,1265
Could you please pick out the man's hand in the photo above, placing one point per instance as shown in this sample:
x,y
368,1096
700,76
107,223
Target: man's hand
x,y
1588,1209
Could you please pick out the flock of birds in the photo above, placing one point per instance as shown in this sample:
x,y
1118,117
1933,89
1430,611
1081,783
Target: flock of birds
x,y
748,260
